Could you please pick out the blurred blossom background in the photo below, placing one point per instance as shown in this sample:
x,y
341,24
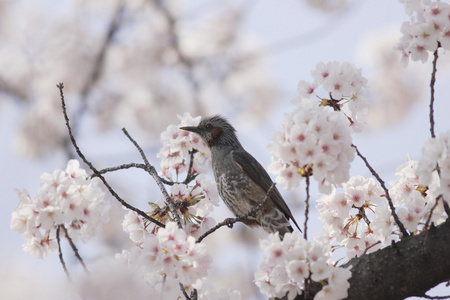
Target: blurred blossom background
x,y
138,64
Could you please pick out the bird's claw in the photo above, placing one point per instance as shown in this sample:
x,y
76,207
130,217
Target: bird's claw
x,y
229,222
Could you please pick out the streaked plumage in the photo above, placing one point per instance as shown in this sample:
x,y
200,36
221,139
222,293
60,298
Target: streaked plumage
x,y
241,180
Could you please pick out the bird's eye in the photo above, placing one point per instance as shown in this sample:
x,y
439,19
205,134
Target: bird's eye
x,y
208,126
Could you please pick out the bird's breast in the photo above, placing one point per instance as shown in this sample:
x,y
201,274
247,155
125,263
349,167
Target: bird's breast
x,y
234,186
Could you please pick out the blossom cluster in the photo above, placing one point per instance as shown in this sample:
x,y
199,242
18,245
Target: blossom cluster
x,y
177,147
360,217
312,138
194,199
347,215
168,258
345,87
68,198
192,203
288,262
428,28
436,157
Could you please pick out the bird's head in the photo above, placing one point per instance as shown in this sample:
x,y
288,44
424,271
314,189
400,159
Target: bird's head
x,y
215,131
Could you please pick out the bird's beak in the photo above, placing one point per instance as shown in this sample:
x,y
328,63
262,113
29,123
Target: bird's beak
x,y
191,129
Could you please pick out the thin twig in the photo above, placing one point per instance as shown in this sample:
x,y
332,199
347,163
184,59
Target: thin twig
x,y
362,214
386,191
183,290
93,169
152,171
122,167
432,210
74,248
194,294
432,83
61,259
132,165
305,233
231,221
369,247
190,176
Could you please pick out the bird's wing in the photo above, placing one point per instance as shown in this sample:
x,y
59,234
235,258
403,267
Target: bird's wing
x,y
250,166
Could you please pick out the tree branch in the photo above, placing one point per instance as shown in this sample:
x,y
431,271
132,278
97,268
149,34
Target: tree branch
x,y
121,167
152,171
231,221
190,176
386,191
432,83
397,271
93,169
305,234
61,258
183,290
74,248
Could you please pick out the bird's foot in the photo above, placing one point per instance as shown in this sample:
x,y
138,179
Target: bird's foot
x,y
229,222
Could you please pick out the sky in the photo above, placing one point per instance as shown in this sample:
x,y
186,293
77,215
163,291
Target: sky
x,y
297,38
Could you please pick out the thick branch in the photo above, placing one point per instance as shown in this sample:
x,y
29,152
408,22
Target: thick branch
x,y
407,268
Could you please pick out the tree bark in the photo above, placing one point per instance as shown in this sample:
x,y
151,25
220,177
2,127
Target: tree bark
x,y
407,268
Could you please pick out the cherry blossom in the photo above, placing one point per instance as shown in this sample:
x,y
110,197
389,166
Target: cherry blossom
x,y
287,263
436,158
428,28
177,146
344,87
193,204
69,198
360,217
347,214
168,257
312,138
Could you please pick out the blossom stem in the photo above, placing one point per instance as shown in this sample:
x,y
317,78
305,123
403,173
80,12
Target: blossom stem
x,y
74,248
305,234
190,176
432,83
61,258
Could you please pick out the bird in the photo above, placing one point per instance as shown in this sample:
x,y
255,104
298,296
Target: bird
x,y
241,181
